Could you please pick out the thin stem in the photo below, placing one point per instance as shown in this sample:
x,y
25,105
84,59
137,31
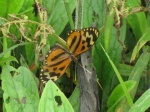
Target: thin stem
x,y
79,14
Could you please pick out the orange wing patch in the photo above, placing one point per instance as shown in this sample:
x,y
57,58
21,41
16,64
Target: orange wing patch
x,y
56,63
58,59
80,41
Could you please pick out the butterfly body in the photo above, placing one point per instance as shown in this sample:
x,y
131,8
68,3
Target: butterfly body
x,y
58,59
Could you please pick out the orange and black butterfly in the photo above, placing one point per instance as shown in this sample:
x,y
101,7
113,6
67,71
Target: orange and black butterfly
x,y
58,59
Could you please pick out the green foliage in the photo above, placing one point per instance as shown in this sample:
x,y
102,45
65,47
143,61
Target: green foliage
x,y
137,21
58,15
10,7
20,91
118,93
142,104
73,99
121,55
141,42
54,100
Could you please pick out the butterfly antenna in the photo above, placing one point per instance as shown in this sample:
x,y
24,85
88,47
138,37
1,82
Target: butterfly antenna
x,y
75,59
99,84
84,68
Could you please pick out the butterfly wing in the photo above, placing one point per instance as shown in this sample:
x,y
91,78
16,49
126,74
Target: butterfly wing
x,y
80,41
56,63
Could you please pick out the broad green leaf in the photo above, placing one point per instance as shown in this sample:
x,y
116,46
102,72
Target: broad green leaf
x,y
74,99
142,104
138,69
135,75
124,69
114,49
7,59
137,21
57,16
27,6
27,11
11,48
93,11
24,63
30,53
108,32
20,91
53,100
148,16
145,38
1,92
10,7
140,66
119,78
118,94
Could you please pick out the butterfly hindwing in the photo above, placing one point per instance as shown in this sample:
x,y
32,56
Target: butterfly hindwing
x,y
80,41
58,59
56,63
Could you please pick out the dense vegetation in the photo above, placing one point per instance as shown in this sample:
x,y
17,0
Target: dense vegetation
x,y
120,56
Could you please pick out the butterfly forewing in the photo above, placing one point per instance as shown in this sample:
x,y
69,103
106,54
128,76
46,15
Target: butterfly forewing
x,y
56,63
80,41
58,59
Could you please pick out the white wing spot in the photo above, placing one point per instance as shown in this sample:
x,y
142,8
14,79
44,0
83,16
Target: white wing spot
x,y
46,56
54,78
91,38
97,34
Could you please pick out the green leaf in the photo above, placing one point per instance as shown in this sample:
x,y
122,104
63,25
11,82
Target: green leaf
x,y
53,100
137,21
140,66
20,91
7,59
118,94
135,75
119,78
93,11
1,92
104,70
124,69
27,7
108,31
74,99
142,104
10,7
29,49
13,47
57,16
145,38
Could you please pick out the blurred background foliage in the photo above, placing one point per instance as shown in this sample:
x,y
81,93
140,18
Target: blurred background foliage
x,y
27,33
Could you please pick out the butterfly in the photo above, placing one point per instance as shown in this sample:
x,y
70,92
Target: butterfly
x,y
58,58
